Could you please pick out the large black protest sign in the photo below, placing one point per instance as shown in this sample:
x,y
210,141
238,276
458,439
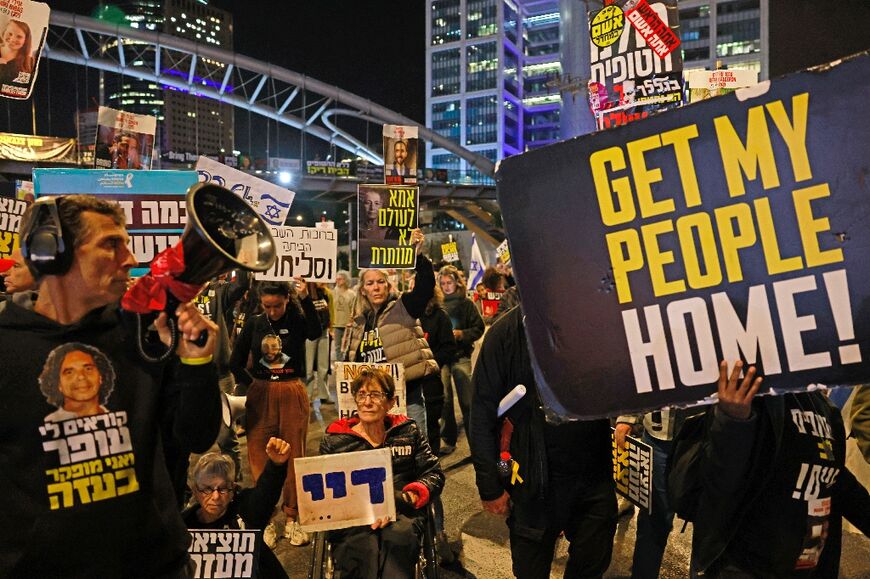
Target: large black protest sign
x,y
731,228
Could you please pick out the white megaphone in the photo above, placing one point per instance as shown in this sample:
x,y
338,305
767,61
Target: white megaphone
x,y
232,408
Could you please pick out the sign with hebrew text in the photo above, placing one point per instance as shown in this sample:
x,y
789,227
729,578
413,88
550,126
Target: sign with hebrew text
x,y
271,202
224,553
337,491
731,229
632,472
309,252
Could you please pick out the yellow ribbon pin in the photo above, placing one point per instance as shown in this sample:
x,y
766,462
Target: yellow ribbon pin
x,y
515,473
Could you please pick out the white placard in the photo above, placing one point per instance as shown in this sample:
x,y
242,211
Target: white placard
x,y
309,252
337,491
346,372
272,202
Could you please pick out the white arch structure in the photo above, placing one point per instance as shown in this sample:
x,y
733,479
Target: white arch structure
x,y
280,94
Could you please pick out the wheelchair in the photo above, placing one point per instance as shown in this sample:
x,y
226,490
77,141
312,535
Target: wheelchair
x,y
427,561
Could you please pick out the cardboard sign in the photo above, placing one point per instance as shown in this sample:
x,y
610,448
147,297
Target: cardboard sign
x,y
124,140
346,372
153,202
337,491
633,472
310,252
271,202
224,552
23,29
400,155
387,216
629,81
731,229
449,251
503,251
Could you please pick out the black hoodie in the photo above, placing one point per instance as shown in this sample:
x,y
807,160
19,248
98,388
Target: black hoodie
x,y
90,496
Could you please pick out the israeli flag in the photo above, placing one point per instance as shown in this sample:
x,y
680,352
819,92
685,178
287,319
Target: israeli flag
x,y
475,270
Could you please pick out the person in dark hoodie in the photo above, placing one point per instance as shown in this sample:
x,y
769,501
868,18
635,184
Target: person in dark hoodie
x,y
467,329
100,480
387,548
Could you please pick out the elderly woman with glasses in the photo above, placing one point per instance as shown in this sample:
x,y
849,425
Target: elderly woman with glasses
x,y
386,548
220,504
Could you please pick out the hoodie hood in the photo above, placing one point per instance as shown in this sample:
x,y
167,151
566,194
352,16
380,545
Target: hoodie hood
x,y
15,316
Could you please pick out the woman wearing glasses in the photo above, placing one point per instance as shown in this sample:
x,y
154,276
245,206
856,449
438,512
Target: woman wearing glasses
x,y
386,548
221,505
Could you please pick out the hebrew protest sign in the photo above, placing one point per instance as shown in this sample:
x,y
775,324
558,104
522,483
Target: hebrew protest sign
x,y
224,553
11,210
704,84
271,202
337,491
729,229
629,79
153,202
346,372
309,252
449,251
632,472
400,155
387,216
124,140
503,251
23,29
37,149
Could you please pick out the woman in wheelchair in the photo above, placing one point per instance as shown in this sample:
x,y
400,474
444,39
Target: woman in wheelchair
x,y
221,505
386,548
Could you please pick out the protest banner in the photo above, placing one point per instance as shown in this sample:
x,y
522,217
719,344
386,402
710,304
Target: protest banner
x,y
450,251
272,202
229,553
346,372
23,30
35,149
153,202
387,216
337,491
629,81
309,252
632,472
400,155
124,140
503,251
730,229
11,210
704,84
656,33
327,168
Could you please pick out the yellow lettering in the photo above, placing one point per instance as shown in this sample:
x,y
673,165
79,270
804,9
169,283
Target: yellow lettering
x,y
738,160
657,259
624,260
644,177
610,215
701,223
679,138
810,227
732,241
767,232
794,133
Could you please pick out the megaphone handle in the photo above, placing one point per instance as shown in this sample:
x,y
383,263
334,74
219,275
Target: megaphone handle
x,y
172,304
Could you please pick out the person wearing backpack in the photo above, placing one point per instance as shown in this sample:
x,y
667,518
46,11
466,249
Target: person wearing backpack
x,y
773,484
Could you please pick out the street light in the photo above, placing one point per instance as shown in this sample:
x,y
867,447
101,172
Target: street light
x,y
284,177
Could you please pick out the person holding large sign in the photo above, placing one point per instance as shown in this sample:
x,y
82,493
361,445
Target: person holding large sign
x,y
220,504
385,549
388,330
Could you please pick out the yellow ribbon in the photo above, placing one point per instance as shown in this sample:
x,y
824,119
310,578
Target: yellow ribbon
x,y
515,473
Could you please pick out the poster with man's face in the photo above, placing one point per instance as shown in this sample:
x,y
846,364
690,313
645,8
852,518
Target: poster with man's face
x,y
124,140
23,28
400,155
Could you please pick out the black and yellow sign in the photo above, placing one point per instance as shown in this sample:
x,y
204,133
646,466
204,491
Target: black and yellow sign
x,y
606,26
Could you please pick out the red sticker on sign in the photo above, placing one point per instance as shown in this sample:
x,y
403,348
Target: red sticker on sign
x,y
658,35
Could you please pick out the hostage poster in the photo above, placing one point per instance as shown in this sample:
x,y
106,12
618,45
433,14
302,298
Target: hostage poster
x,y
23,29
387,216
734,228
400,155
631,79
124,140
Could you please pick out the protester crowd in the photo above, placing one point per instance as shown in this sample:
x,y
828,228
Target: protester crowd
x,y
730,468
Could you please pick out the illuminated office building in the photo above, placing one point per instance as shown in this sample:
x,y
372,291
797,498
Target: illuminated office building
x,y
188,124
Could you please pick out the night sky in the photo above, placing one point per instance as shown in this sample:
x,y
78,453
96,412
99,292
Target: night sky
x,y
367,48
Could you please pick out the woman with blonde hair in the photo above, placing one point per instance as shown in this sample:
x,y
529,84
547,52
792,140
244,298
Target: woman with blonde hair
x,y
15,52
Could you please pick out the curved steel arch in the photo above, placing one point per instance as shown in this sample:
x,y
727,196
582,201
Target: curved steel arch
x,y
228,77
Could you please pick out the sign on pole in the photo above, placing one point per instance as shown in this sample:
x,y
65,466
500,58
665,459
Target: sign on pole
x,y
730,229
450,251
271,202
337,491
23,29
346,372
124,140
387,216
400,155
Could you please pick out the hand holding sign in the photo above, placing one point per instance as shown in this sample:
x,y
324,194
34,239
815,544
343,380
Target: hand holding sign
x,y
734,400
278,450
301,287
417,238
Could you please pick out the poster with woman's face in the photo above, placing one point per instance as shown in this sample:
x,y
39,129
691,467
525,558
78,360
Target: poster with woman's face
x,y
124,140
23,28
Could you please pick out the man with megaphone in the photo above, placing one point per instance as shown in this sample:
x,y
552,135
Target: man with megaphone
x,y
89,496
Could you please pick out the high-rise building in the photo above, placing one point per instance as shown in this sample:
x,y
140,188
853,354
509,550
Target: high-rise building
x,y
491,66
187,122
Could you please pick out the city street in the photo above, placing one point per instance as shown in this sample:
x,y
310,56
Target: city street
x,y
481,539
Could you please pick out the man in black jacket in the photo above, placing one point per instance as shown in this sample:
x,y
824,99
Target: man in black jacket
x,y
564,481
91,496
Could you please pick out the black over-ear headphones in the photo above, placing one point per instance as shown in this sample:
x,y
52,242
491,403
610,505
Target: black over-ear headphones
x,y
45,244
